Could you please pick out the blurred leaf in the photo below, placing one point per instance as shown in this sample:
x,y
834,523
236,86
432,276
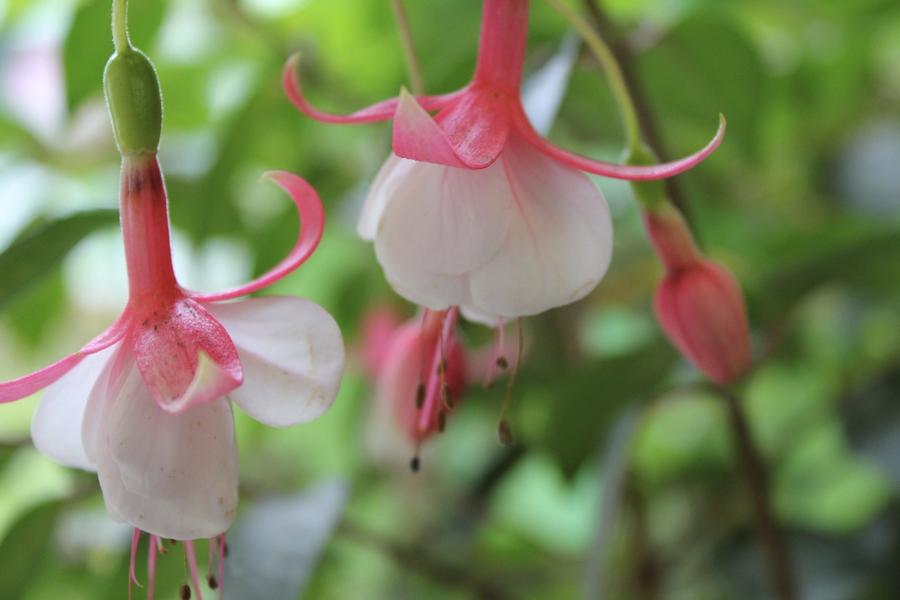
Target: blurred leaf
x,y
274,548
577,409
24,547
39,249
89,43
32,315
872,423
871,262
702,67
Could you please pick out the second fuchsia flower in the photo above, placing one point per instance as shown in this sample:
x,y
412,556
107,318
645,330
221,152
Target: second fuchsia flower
x,y
475,208
148,402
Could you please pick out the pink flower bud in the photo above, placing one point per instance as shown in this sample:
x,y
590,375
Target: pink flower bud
x,y
701,309
699,304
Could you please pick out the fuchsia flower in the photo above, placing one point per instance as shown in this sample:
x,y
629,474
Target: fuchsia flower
x,y
475,208
148,402
699,303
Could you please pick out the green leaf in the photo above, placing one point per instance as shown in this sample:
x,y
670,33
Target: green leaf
x,y
89,43
23,547
39,249
576,411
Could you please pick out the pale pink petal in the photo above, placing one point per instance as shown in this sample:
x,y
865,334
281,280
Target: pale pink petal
x,y
21,387
312,223
380,192
630,172
381,111
444,220
185,356
468,134
559,242
56,425
432,290
171,475
293,357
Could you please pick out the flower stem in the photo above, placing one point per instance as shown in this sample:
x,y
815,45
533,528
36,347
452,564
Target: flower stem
x,y
413,68
607,59
756,480
120,25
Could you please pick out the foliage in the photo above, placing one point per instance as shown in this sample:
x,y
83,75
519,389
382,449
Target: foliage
x,y
801,202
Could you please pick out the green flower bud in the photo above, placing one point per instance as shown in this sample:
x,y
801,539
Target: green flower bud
x,y
134,101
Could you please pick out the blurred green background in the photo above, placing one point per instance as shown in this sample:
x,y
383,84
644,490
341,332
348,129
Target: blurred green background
x,y
623,481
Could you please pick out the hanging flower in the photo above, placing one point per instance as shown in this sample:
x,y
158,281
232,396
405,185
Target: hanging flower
x,y
148,402
699,304
475,208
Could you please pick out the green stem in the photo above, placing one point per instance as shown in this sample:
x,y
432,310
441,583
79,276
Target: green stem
x,y
120,26
614,73
409,50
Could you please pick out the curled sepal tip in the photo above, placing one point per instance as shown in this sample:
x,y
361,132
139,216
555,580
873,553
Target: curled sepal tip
x,y
629,172
312,224
381,111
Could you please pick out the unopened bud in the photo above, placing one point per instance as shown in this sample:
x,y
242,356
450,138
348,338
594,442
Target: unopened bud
x,y
701,309
134,101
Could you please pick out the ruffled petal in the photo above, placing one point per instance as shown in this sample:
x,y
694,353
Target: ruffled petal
x,y
185,356
293,357
56,425
171,475
559,242
381,111
312,223
629,172
444,220
468,134
19,388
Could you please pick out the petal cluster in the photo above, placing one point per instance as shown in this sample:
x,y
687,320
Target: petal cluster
x,y
475,208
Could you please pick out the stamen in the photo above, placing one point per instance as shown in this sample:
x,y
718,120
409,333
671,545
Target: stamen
x,y
191,558
441,421
502,363
155,546
212,582
447,396
415,464
496,355
223,552
503,430
185,592
132,580
420,396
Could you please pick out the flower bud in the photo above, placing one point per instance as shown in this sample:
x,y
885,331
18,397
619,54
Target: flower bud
x,y
134,101
701,309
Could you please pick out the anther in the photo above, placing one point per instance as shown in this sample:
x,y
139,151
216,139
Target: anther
x,y
441,421
225,550
212,582
447,397
414,464
420,396
504,433
502,363
185,592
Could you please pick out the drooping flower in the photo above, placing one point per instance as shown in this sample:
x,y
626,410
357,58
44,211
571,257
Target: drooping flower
x,y
475,208
148,402
699,304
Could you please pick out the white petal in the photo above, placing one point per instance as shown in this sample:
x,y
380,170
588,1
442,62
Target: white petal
x,y
380,192
433,290
56,426
442,219
171,475
559,242
292,355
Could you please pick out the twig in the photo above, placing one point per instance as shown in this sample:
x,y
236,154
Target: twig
x,y
767,526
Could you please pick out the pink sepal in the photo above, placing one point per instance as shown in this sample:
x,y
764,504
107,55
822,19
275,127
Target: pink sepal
x,y
17,389
469,134
312,223
614,171
701,308
381,111
185,356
